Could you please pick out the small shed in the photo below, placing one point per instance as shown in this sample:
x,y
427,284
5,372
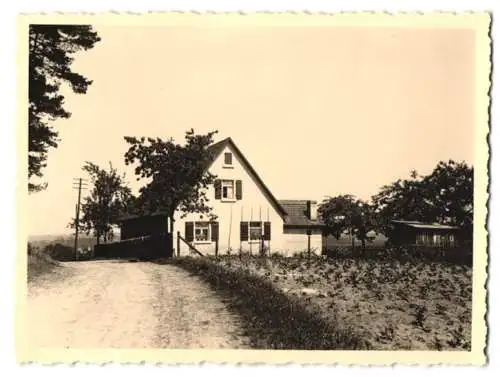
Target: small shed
x,y
141,237
134,226
423,234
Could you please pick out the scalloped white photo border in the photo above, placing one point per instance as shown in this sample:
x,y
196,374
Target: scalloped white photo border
x,y
477,21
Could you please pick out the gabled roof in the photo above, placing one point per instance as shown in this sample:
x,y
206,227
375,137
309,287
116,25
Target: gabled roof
x,y
421,225
216,150
218,147
298,213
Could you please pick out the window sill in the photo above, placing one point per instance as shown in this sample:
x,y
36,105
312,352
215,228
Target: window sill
x,y
228,200
227,167
202,242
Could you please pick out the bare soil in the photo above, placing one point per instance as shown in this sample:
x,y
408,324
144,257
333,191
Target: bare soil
x,y
114,304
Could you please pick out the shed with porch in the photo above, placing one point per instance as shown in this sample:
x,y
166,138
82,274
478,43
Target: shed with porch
x,y
423,234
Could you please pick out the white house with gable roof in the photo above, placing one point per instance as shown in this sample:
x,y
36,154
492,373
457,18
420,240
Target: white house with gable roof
x,y
249,217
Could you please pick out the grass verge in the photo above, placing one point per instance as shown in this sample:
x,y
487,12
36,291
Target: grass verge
x,y
39,262
271,318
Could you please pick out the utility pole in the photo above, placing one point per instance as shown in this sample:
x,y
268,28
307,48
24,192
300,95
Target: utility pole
x,y
79,182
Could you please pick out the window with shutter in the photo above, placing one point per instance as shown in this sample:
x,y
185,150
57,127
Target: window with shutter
x,y
228,158
255,230
239,190
244,231
201,231
189,231
267,231
217,188
227,189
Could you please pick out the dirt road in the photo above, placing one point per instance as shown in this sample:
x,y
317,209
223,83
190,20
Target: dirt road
x,y
114,304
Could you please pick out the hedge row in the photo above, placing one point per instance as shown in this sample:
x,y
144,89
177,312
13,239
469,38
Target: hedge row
x,y
458,255
271,318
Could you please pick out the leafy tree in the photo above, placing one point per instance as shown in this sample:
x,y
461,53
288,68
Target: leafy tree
x,y
108,200
346,214
51,50
365,221
444,196
450,189
177,174
404,199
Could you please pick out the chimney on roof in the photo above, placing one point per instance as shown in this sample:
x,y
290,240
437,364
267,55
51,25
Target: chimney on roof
x,y
312,210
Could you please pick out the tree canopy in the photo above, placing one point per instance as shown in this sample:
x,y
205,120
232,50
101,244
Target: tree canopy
x,y
450,190
347,214
444,196
51,50
177,176
109,199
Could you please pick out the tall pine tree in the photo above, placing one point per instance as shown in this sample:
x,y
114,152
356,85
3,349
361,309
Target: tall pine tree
x,y
51,50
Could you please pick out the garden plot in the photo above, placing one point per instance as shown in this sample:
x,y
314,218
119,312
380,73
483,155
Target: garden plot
x,y
393,305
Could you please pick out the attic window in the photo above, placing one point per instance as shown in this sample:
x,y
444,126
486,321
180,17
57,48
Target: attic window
x,y
228,158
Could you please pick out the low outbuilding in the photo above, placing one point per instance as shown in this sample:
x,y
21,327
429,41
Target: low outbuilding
x,y
423,234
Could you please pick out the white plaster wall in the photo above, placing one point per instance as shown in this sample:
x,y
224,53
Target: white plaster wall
x,y
254,206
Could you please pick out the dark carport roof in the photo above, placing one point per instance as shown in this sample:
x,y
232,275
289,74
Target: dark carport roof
x,y
421,225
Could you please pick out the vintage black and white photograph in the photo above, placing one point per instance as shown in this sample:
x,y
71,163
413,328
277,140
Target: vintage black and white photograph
x,y
255,182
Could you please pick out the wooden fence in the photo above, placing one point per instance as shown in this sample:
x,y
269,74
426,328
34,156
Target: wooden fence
x,y
192,249
147,247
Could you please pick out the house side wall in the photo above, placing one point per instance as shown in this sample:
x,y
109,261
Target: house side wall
x,y
298,242
254,206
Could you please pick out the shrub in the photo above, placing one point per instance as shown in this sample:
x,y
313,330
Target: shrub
x,y
39,262
60,252
65,253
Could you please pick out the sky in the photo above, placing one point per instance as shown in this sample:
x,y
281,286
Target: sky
x,y
318,111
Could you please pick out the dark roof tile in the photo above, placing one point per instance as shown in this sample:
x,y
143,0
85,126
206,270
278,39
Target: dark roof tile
x,y
297,213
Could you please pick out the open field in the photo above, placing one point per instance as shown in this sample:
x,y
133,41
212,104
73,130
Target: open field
x,y
66,240
390,305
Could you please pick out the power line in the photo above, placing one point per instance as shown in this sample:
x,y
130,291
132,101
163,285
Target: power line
x,y
80,185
